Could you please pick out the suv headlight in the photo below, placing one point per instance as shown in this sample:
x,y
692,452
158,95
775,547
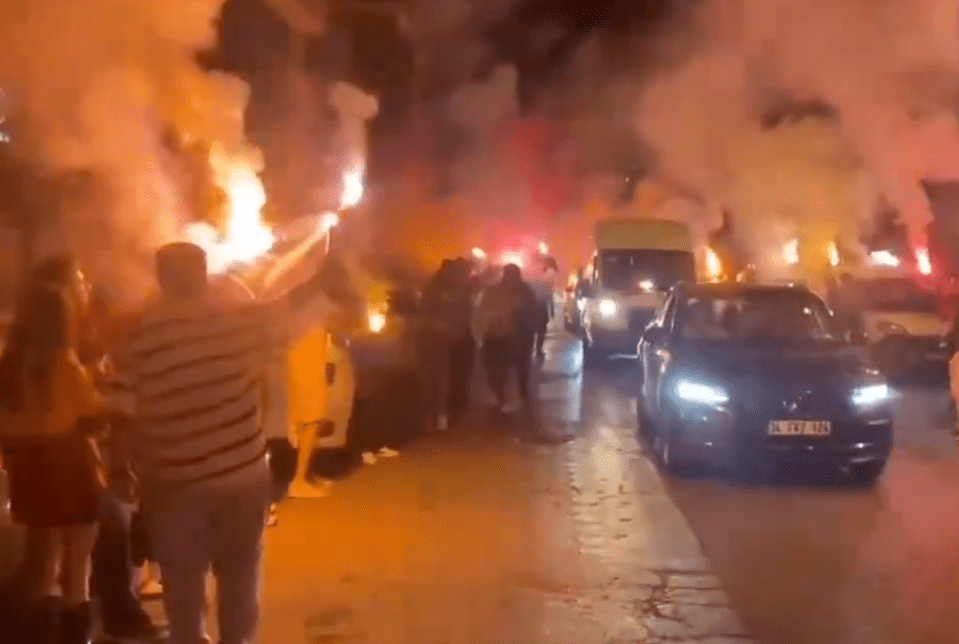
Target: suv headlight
x,y
607,308
871,395
700,393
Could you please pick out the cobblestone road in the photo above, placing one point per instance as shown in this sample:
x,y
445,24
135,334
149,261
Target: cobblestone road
x,y
564,537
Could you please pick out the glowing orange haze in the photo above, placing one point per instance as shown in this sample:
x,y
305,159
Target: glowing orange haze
x,y
246,236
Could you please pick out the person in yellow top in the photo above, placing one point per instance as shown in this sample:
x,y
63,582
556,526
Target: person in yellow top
x,y
310,377
47,400
319,388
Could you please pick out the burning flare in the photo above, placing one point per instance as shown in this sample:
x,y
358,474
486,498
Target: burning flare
x,y
329,221
791,252
833,254
245,236
376,319
883,258
922,261
714,267
352,189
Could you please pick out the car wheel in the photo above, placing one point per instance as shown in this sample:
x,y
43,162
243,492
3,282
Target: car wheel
x,y
867,474
671,454
644,424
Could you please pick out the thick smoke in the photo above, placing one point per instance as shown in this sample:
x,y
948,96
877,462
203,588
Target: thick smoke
x,y
453,183
437,209
354,109
889,69
94,85
449,37
518,171
484,111
481,102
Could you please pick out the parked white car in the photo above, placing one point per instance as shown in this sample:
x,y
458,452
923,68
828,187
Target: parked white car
x,y
330,385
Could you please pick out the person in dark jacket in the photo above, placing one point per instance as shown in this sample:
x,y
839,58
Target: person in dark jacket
x,y
506,320
448,340
463,347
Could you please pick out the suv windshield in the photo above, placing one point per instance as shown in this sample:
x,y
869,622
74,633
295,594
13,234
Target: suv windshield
x,y
625,270
891,294
786,315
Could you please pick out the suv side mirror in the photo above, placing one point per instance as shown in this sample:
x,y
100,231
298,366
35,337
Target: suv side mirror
x,y
654,334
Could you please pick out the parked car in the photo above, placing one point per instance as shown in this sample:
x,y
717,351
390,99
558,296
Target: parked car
x,y
900,326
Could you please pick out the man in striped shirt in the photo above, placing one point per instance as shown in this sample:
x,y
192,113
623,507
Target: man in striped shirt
x,y
189,373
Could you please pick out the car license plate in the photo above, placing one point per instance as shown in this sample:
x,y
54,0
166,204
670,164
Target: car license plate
x,y
800,428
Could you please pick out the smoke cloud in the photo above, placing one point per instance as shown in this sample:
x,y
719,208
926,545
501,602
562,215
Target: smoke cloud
x,y
889,69
354,109
484,111
93,86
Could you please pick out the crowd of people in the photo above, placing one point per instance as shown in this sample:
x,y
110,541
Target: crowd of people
x,y
181,379
161,411
498,311
55,450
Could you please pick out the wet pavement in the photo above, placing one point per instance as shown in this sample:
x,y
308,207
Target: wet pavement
x,y
809,563
559,529
499,534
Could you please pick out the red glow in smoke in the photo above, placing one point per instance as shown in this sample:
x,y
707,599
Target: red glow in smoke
x,y
532,147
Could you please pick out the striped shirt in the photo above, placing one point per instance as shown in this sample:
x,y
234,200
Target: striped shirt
x,y
190,374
